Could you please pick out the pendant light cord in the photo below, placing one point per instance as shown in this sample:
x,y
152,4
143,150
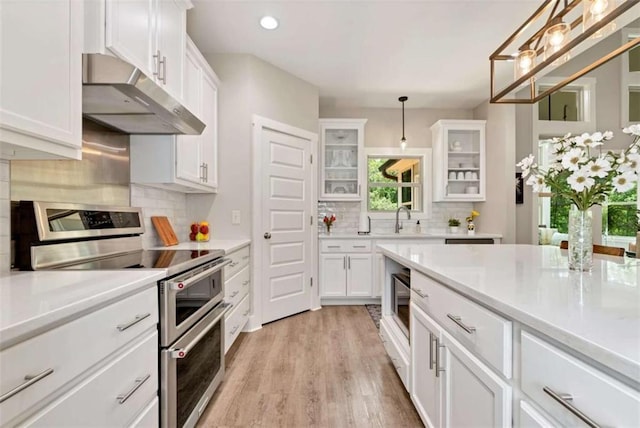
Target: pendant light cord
x,y
402,100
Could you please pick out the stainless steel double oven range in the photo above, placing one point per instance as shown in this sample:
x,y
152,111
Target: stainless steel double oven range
x,y
191,347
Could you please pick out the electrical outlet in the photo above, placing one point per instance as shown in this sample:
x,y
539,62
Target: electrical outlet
x,y
235,217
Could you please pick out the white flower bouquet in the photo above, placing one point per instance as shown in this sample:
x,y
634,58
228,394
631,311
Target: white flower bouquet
x,y
584,177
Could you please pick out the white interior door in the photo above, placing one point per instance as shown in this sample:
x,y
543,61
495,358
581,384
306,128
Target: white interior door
x,y
286,217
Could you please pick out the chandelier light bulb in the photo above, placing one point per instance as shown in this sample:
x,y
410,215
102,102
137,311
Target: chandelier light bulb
x,y
403,144
556,37
269,22
594,11
525,61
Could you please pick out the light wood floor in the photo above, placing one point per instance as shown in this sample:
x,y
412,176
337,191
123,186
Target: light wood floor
x,y
326,368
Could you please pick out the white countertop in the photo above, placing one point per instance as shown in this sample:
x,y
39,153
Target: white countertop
x,y
226,245
32,302
430,235
596,313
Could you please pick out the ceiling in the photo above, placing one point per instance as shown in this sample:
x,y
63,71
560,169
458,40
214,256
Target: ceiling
x,y
368,53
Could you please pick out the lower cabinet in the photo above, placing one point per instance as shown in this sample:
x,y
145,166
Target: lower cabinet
x,y
237,291
99,369
346,275
449,386
531,418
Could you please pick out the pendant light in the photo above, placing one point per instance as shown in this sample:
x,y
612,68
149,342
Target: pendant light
x,y
403,141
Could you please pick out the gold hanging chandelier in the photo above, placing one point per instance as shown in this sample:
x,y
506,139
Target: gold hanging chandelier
x,y
552,43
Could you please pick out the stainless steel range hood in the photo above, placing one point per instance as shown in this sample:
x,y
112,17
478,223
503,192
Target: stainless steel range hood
x,y
120,96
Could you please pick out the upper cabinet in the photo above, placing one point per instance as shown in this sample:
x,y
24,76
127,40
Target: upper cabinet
x,y
149,34
187,163
40,79
343,165
458,160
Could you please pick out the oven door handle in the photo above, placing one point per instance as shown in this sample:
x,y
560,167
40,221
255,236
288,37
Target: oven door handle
x,y
182,352
179,284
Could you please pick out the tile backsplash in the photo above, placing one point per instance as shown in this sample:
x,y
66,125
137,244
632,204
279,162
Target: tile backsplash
x,y
159,202
348,217
5,221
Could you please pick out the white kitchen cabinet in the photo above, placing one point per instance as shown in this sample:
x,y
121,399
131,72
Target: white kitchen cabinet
x,y
449,386
531,418
343,163
459,160
118,344
237,292
149,34
346,268
186,163
426,388
570,390
472,394
40,79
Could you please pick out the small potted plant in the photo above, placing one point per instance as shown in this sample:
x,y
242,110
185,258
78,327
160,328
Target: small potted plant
x,y
471,227
454,223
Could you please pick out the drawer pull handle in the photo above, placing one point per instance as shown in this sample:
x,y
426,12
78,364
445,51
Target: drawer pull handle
x,y
139,381
431,338
136,320
564,400
246,282
333,246
420,293
460,324
234,329
359,246
234,294
30,380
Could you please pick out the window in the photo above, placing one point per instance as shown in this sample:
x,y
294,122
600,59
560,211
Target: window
x,y
619,216
393,182
562,105
396,178
630,80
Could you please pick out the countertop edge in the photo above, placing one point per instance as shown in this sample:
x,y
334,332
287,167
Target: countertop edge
x,y
412,236
607,358
31,327
228,246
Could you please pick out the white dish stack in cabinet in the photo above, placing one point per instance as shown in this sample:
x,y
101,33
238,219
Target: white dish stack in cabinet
x,y
237,287
346,268
186,163
98,369
459,160
149,34
343,164
41,79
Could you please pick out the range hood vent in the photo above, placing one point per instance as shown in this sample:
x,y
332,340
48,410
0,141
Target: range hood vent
x,y
118,95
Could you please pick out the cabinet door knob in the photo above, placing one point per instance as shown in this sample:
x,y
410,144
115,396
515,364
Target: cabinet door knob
x,y
267,235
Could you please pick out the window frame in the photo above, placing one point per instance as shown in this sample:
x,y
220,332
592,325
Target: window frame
x,y
425,156
628,79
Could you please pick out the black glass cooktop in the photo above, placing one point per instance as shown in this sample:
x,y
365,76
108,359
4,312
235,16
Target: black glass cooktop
x,y
175,261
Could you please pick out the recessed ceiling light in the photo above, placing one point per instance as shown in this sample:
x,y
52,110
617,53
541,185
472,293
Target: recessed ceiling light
x,y
269,23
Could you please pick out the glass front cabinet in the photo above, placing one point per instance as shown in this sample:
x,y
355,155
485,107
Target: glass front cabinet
x,y
458,160
342,166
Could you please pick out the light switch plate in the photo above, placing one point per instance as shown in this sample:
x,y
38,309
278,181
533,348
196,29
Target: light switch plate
x,y
235,217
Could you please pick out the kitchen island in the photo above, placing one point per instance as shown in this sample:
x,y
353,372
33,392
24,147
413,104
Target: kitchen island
x,y
529,329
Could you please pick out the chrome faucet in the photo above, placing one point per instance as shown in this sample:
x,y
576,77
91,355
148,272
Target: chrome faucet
x,y
398,225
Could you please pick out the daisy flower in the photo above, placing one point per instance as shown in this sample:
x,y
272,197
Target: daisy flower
x,y
598,168
526,164
624,181
580,180
573,159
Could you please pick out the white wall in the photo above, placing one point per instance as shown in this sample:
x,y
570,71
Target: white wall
x,y
5,217
497,213
384,125
248,86
159,202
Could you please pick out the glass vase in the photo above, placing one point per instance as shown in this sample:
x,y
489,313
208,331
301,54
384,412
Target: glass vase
x,y
580,239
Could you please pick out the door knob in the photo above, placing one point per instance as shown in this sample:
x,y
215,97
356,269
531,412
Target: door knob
x,y
267,235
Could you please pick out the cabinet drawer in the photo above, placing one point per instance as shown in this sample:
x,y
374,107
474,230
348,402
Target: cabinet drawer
x,y
345,246
239,259
71,349
237,287
150,416
480,330
235,321
400,363
111,397
547,370
531,418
